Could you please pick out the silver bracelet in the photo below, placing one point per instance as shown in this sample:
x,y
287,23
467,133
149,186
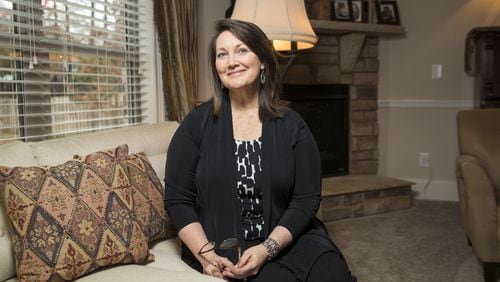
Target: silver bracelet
x,y
272,248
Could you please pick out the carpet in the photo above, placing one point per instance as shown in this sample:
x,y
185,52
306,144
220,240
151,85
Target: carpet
x,y
423,243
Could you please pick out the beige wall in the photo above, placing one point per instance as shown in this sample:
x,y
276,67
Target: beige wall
x,y
417,113
209,11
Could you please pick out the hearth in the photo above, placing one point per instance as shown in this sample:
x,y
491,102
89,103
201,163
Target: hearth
x,y
325,109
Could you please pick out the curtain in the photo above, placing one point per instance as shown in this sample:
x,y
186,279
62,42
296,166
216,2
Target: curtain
x,y
176,21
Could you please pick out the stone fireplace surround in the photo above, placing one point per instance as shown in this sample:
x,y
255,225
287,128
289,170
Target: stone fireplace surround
x,y
322,65
352,59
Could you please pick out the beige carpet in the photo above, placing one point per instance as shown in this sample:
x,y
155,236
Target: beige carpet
x,y
424,243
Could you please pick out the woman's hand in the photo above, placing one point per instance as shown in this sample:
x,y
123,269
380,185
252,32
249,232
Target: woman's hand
x,y
249,264
214,265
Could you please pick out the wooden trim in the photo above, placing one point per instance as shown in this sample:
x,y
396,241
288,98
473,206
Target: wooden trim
x,y
426,104
339,28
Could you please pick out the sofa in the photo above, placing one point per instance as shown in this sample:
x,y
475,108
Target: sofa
x,y
478,182
153,140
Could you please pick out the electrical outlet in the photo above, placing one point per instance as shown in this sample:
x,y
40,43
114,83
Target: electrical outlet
x,y
423,159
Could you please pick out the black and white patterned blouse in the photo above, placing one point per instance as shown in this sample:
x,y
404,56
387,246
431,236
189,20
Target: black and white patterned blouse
x,y
248,183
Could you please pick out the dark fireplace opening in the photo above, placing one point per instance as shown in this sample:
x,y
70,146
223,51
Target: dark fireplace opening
x,y
325,109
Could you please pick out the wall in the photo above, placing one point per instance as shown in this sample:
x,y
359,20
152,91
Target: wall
x,y
208,11
417,113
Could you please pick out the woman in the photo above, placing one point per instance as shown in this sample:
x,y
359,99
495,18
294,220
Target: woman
x,y
245,166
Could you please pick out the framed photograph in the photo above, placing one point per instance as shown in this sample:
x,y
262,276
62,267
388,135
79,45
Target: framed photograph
x,y
341,10
358,11
387,12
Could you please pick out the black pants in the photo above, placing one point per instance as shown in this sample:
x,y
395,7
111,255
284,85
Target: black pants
x,y
329,267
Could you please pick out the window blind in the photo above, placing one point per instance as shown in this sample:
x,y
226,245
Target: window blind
x,y
69,67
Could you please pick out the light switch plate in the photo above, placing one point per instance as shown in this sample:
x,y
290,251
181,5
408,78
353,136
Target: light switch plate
x,y
437,71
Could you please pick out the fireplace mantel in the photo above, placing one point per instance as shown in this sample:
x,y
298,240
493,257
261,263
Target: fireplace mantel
x,y
340,28
352,36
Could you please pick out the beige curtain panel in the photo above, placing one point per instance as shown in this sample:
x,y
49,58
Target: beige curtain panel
x,y
176,21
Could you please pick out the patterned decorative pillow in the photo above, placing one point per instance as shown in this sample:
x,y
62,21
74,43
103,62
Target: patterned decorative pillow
x,y
70,219
147,195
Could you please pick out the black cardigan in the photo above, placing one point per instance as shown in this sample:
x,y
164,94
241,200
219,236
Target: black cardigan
x,y
200,176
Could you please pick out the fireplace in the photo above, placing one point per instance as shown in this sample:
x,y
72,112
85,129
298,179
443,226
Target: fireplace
x,y
326,64
325,109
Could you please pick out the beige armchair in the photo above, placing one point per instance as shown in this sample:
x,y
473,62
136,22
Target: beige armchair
x,y
478,182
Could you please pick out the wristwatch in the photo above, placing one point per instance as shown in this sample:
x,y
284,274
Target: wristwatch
x,y
272,248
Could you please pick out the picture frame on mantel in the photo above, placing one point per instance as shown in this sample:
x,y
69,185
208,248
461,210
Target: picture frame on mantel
x,y
359,11
341,10
387,12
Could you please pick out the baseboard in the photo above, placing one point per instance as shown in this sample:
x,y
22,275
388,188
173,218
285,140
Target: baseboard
x,y
426,104
437,190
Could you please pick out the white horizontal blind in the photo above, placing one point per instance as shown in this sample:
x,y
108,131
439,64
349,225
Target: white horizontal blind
x,y
68,67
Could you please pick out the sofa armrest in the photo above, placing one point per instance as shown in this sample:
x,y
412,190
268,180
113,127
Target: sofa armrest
x,y
478,204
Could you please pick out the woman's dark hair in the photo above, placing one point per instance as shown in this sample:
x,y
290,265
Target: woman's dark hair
x,y
270,103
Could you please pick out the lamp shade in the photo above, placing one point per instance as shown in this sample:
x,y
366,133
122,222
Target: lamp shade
x,y
283,21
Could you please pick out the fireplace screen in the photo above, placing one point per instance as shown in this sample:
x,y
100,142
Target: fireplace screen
x,y
325,109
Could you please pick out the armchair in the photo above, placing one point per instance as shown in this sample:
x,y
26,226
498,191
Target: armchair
x,y
478,183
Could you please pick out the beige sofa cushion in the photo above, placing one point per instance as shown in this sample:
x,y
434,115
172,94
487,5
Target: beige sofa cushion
x,y
8,264
165,253
145,274
152,139
17,154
